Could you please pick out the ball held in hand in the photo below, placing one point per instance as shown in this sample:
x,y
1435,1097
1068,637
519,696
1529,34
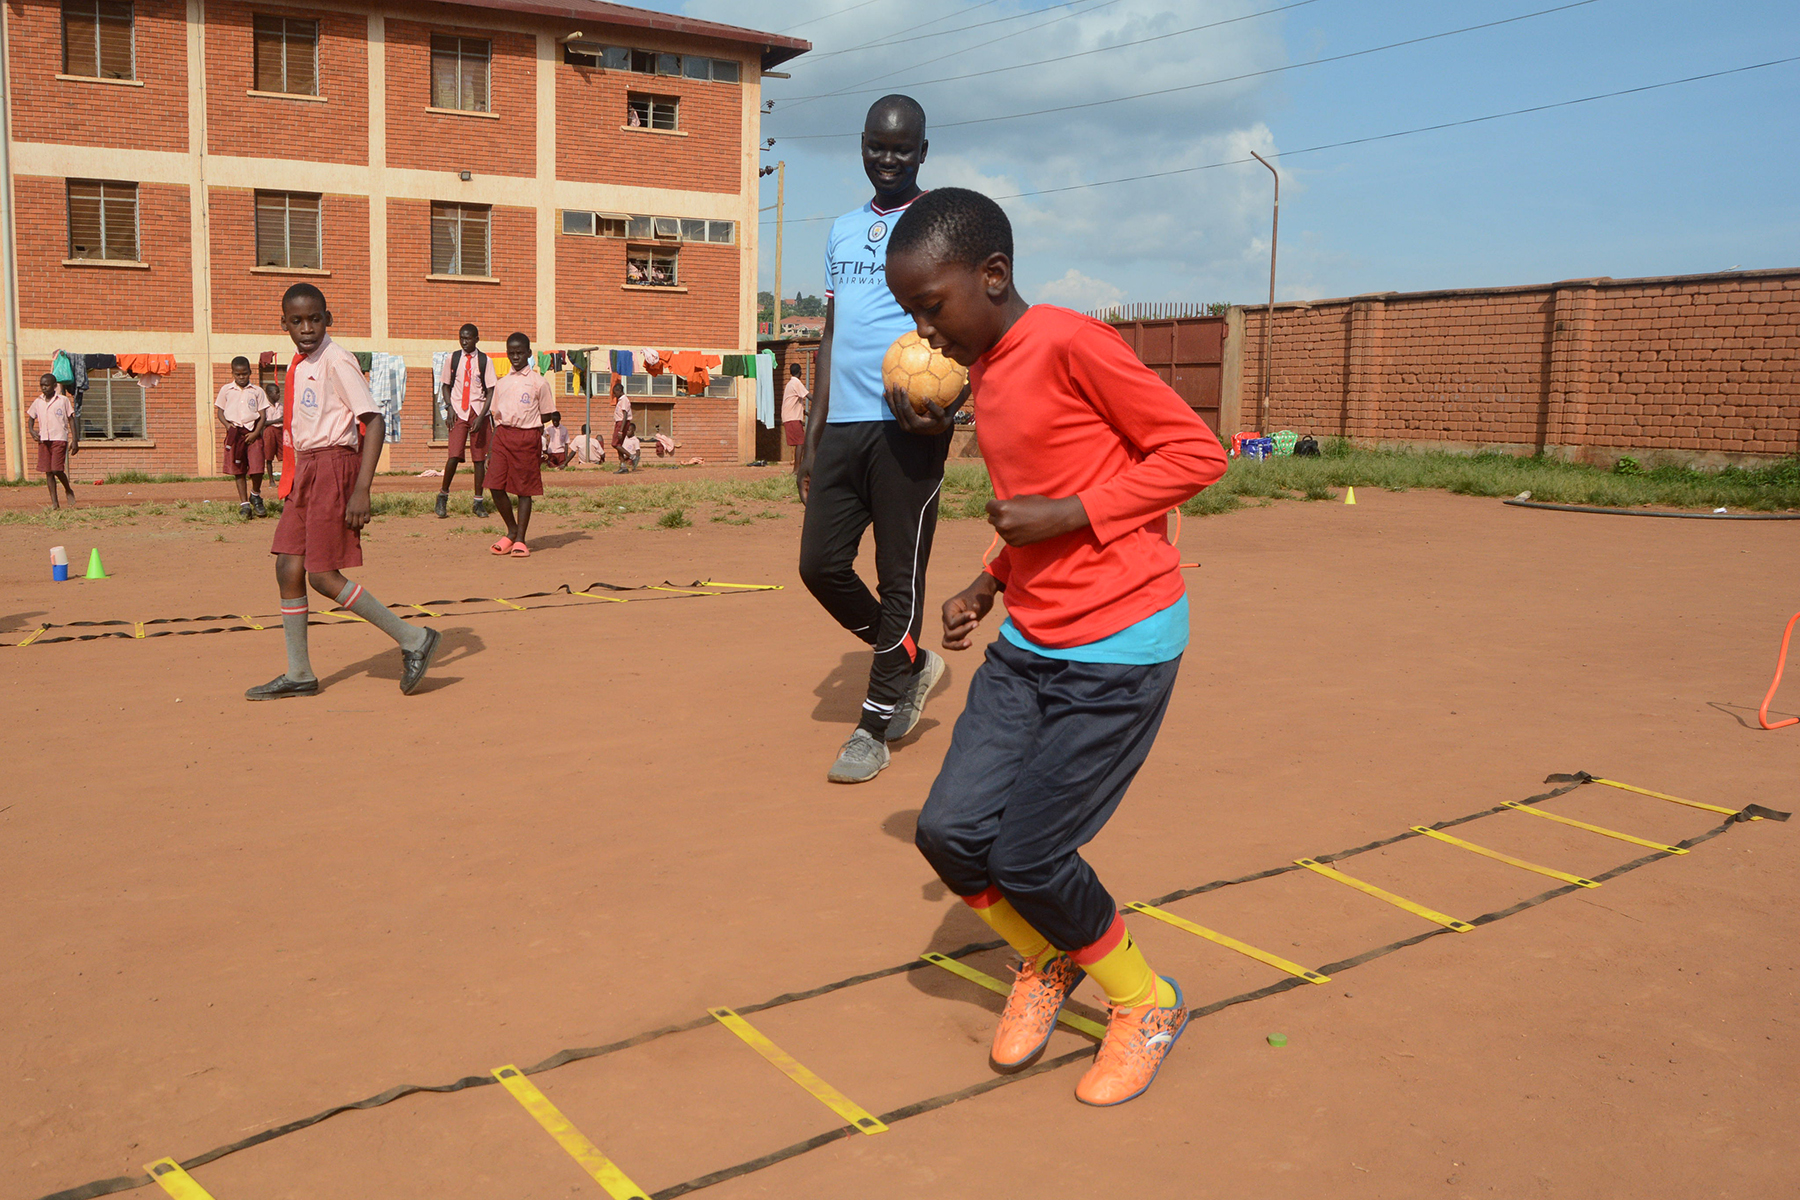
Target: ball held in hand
x,y
926,376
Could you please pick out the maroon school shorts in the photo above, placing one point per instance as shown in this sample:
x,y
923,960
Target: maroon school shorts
x,y
243,454
312,514
271,440
460,439
53,458
796,432
618,441
513,461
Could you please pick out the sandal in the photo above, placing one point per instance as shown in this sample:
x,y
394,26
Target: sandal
x,y
502,546
520,550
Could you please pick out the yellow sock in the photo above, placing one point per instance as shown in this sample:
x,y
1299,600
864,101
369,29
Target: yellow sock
x,y
1118,966
1005,920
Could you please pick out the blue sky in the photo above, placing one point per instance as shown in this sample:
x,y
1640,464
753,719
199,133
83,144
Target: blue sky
x,y
1697,177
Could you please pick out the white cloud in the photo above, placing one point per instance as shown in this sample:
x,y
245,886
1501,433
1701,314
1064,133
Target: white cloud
x,y
1075,290
1181,237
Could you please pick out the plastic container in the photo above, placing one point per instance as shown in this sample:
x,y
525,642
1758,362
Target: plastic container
x,y
59,563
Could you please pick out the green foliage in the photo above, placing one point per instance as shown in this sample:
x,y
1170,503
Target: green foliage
x,y
675,518
1627,465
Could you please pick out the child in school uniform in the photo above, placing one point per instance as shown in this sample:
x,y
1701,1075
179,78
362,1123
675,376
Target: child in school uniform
x,y
556,443
1088,450
519,405
243,409
325,494
53,425
467,381
630,448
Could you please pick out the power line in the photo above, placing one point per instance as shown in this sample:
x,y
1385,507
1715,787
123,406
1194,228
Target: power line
x,y
836,12
1379,137
911,34
1062,58
1188,87
963,50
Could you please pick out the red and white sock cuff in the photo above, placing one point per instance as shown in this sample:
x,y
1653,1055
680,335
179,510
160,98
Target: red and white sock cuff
x,y
293,608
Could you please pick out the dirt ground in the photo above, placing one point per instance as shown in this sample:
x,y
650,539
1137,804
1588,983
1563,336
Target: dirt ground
x,y
600,819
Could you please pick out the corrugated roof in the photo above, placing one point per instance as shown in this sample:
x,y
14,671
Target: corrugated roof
x,y
776,49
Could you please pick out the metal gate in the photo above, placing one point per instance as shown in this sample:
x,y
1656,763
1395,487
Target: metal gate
x,y
1188,353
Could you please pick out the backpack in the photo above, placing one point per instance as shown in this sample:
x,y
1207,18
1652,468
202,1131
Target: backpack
x,y
481,364
1306,447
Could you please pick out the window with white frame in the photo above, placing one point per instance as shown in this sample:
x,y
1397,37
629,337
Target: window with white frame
x,y
288,230
287,55
98,39
113,407
644,111
460,238
641,384
461,72
647,267
103,220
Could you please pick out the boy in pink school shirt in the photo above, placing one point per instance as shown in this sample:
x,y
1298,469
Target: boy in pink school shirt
x,y
53,425
520,405
326,497
468,380
243,410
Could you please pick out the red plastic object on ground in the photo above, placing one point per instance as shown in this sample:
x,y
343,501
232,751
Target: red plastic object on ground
x,y
1762,714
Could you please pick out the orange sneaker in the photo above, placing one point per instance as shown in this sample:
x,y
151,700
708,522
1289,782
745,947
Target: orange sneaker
x,y
1137,1039
1038,995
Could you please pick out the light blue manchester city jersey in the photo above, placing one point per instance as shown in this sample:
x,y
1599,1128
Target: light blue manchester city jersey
x,y
867,317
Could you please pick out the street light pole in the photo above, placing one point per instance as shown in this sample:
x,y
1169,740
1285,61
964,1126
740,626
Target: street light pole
x,y
780,204
1269,317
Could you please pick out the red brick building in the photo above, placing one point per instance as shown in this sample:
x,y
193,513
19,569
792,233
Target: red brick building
x,y
580,171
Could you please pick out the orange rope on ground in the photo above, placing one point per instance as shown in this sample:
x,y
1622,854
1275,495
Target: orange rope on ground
x,y
1762,714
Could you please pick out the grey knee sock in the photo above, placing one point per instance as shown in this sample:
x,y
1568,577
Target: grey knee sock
x,y
293,624
360,602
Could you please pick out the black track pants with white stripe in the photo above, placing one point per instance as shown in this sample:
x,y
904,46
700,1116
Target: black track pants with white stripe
x,y
873,473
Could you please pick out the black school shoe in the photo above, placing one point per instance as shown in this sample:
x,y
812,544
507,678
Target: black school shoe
x,y
281,687
443,505
244,509
256,502
414,662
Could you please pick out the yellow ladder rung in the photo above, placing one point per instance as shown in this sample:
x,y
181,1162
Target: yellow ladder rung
x,y
1729,812
1074,1021
425,610
1611,833
858,1117
509,604
607,599
342,616
41,631
249,620
1231,943
175,1181
1430,914
618,1185
1552,872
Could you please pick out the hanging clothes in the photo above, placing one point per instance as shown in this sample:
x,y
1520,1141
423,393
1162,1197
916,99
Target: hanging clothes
x,y
101,362
765,389
690,366
622,362
546,362
652,361
147,364
364,360
266,359
438,359
76,365
387,384
502,366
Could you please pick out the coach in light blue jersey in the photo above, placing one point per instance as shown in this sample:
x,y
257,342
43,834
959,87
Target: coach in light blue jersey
x,y
858,468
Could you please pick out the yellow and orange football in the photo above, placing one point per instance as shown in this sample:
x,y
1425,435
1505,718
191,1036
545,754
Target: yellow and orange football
x,y
926,376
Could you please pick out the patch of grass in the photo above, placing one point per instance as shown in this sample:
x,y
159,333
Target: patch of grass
x,y
136,476
1316,492
675,518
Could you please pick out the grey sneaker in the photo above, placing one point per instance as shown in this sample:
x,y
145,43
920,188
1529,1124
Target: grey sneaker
x,y
861,759
244,510
479,507
256,502
912,703
443,505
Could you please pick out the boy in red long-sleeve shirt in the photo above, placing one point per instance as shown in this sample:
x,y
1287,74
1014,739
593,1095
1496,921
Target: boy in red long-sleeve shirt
x,y
1088,451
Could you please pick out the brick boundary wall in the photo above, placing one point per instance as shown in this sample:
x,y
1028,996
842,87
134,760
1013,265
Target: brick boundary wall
x,y
1697,369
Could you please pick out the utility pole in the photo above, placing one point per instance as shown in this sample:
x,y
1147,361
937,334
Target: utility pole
x,y
1262,422
780,203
